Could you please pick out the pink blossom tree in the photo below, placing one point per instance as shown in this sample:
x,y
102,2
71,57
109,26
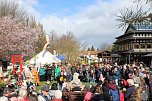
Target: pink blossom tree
x,y
17,36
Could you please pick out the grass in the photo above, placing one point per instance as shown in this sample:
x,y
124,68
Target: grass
x,y
44,82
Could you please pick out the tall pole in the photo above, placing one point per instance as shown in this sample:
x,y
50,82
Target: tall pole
x,y
89,58
129,57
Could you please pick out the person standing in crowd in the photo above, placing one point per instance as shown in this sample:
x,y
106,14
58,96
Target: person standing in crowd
x,y
65,84
110,91
44,95
60,80
126,72
62,68
53,71
35,76
86,73
81,73
130,90
150,86
136,96
97,94
23,74
76,84
99,70
42,73
30,86
92,76
116,75
73,69
48,71
107,71
28,71
57,71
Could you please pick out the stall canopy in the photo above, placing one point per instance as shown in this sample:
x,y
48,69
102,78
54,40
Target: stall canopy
x,y
60,57
44,57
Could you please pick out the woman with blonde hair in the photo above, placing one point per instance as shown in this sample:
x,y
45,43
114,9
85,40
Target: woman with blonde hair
x,y
136,96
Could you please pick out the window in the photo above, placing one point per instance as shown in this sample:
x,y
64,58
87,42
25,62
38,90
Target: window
x,y
143,46
149,45
136,46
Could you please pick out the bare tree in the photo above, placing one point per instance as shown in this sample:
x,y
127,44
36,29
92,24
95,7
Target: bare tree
x,y
134,14
105,47
12,7
66,45
146,1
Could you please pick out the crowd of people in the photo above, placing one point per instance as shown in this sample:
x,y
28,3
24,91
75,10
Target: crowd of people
x,y
97,82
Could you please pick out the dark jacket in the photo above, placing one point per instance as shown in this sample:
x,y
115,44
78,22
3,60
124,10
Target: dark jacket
x,y
97,97
60,79
129,92
106,88
150,89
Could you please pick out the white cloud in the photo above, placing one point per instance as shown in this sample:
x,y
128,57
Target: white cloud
x,y
28,7
94,24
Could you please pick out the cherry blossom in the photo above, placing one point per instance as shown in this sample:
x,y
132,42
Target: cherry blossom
x,y
17,36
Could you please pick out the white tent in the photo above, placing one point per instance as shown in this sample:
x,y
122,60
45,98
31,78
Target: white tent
x,y
44,57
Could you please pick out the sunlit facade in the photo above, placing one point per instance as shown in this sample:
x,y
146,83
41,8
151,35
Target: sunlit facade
x,y
135,42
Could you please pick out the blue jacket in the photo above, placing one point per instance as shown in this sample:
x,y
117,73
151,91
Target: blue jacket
x,y
116,75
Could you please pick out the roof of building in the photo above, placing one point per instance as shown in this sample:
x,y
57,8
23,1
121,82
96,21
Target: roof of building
x,y
142,26
136,28
90,52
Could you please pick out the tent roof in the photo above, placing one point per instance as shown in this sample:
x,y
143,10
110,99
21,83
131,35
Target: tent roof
x,y
44,57
60,57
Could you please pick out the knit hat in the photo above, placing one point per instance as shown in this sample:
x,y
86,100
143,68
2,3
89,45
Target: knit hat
x,y
58,94
45,88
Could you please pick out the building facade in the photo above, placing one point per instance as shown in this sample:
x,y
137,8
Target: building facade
x,y
89,56
135,43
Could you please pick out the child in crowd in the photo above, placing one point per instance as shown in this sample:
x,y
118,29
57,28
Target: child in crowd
x,y
65,83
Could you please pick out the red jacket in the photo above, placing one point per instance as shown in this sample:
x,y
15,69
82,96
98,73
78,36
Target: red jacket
x,y
57,99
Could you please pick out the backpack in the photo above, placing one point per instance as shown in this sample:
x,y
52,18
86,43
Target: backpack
x,y
114,95
88,96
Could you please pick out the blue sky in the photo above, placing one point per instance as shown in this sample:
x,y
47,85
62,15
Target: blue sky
x,y
62,7
91,21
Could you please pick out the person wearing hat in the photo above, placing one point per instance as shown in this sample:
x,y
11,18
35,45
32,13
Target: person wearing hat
x,y
107,87
75,84
44,96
